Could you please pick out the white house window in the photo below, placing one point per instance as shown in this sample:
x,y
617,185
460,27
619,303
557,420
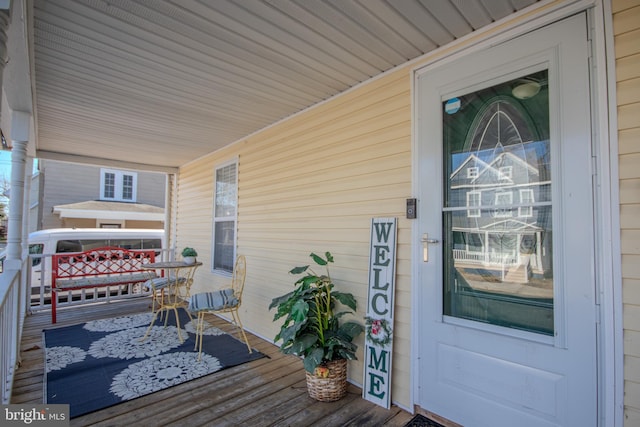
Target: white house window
x,y
472,172
109,186
503,202
225,217
474,200
127,187
506,172
118,185
526,198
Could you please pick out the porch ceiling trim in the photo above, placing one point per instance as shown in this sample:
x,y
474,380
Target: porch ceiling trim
x,y
98,161
111,210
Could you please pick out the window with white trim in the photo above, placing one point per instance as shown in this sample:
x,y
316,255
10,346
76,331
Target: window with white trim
x,y
117,185
506,172
474,199
526,198
503,201
472,172
225,202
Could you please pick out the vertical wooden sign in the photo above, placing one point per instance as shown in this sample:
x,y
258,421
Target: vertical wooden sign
x,y
379,320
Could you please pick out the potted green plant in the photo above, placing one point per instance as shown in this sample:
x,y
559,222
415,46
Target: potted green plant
x,y
189,255
313,329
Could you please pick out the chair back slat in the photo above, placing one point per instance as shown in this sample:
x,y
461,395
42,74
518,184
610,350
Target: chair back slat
x,y
239,274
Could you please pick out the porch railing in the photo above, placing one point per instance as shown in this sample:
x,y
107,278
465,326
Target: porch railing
x,y
40,289
484,258
20,293
13,309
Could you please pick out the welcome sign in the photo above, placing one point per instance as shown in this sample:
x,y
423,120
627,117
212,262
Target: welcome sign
x,y
379,320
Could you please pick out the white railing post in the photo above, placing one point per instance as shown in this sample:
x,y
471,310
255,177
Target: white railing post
x,y
10,331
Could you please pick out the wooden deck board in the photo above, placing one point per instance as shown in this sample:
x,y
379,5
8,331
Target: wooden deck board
x,y
312,411
265,392
344,415
263,410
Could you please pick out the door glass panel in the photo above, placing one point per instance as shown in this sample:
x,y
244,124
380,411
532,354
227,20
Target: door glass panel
x,y
498,249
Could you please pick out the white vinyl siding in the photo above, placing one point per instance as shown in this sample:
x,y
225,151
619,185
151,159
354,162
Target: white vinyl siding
x,y
312,184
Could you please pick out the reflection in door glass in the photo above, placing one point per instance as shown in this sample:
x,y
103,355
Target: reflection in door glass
x,y
497,206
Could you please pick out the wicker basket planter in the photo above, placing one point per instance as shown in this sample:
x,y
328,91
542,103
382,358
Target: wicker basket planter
x,y
332,387
313,330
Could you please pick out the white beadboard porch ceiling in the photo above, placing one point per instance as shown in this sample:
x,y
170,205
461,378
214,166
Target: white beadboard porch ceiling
x,y
163,82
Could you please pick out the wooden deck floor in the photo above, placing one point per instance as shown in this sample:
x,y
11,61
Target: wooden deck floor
x,y
266,392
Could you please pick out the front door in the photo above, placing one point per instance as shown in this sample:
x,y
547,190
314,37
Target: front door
x,y
506,305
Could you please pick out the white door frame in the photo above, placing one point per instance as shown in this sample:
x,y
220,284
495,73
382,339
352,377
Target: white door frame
x,y
606,197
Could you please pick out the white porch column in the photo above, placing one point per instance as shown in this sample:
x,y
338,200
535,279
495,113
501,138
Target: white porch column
x,y
26,210
20,139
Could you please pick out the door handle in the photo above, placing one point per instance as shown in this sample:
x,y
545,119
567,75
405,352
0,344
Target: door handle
x,y
426,241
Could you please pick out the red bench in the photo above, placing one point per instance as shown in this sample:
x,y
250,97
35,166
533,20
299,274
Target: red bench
x,y
107,266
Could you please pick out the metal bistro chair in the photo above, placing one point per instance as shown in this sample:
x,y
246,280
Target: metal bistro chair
x,y
226,300
158,286
171,292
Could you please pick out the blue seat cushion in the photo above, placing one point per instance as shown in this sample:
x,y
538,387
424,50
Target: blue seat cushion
x,y
217,300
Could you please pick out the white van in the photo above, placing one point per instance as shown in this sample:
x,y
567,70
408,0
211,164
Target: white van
x,y
58,240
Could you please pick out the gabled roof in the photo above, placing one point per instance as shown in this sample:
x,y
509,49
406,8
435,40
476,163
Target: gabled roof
x,y
492,168
510,157
482,165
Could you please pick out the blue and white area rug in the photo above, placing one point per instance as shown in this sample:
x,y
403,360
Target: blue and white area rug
x,y
101,363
